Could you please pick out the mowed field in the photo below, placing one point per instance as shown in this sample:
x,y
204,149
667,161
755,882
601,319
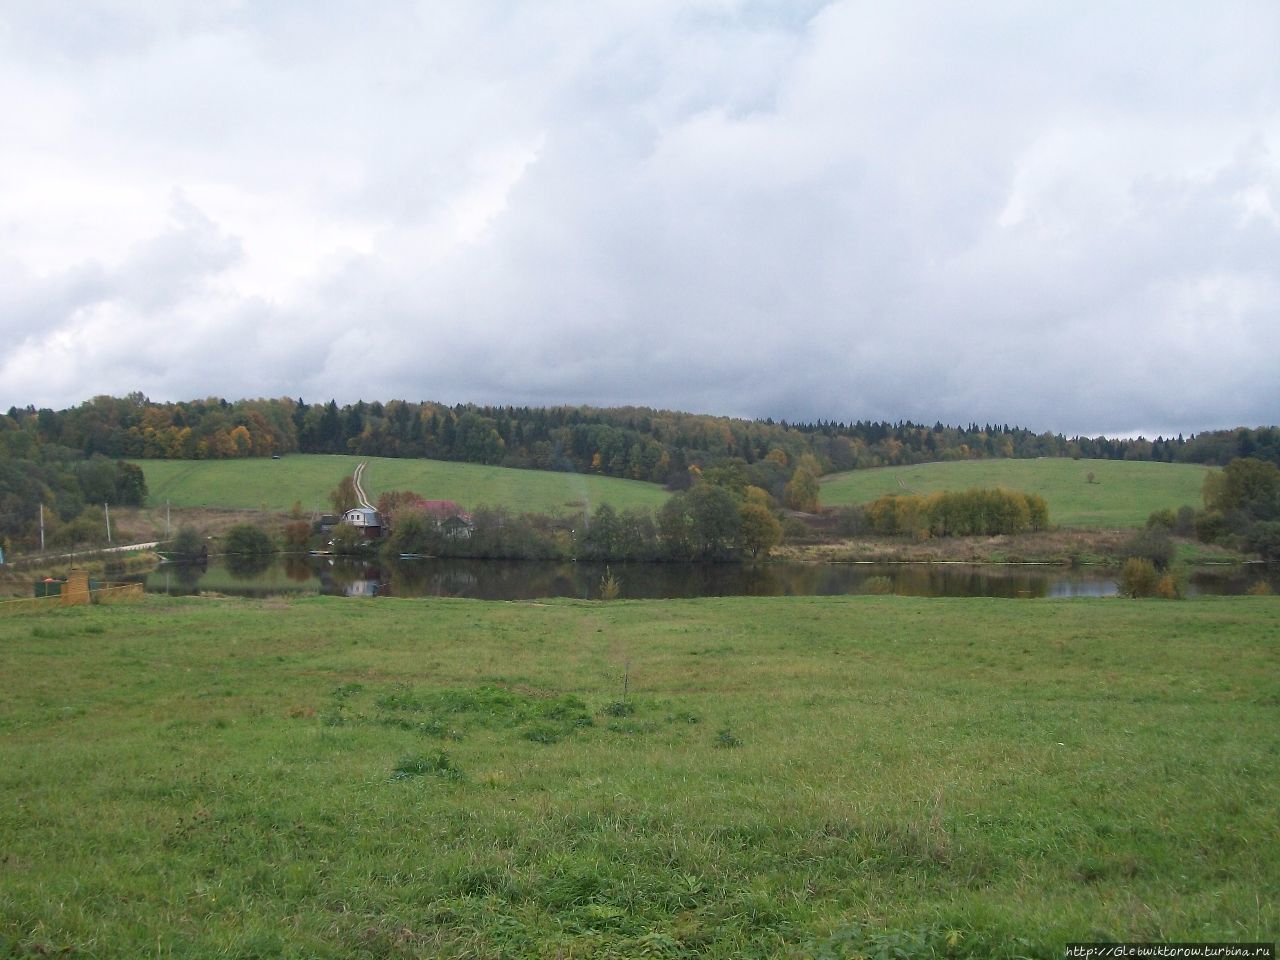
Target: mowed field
x,y
786,777
260,483
1124,494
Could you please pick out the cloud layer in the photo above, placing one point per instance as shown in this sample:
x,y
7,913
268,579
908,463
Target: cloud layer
x,y
1066,218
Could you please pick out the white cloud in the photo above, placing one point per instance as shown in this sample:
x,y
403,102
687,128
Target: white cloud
x,y
1064,217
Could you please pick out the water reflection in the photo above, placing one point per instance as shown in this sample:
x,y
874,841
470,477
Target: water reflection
x,y
529,580
297,568
248,566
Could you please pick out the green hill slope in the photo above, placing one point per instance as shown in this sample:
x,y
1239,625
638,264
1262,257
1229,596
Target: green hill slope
x,y
308,478
1124,493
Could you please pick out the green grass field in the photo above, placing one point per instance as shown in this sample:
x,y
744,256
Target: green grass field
x,y
275,484
1124,494
819,777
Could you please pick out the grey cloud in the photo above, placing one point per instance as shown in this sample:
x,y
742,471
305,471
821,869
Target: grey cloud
x,y
1067,218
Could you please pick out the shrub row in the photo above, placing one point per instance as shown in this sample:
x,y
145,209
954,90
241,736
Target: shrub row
x,y
964,513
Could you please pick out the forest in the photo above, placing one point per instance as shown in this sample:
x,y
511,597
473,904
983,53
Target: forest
x,y
633,442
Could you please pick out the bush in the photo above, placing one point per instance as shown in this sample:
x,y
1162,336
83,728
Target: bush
x,y
189,544
1211,527
297,534
851,521
793,528
1168,588
1138,578
1264,538
1185,526
248,541
1152,544
1181,522
347,539
85,530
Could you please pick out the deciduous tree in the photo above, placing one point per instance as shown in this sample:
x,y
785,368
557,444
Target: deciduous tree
x,y
343,497
759,531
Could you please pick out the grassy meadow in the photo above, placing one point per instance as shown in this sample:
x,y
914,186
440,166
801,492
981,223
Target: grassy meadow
x,y
1124,493
818,777
265,484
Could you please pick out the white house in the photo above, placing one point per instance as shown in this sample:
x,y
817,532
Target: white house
x,y
364,519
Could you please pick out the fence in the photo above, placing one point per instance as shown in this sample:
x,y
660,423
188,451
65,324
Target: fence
x,y
76,591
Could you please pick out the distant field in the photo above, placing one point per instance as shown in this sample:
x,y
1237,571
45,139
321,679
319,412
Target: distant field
x,y
275,484
1124,494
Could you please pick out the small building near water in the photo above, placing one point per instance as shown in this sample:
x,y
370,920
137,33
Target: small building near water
x,y
366,520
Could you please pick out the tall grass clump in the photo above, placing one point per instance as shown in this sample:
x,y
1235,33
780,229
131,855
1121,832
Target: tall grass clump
x,y
435,764
610,585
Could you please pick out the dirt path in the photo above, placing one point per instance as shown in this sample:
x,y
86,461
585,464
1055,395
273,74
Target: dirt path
x,y
355,479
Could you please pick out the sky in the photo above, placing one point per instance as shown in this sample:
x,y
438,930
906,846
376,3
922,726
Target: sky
x,y
1063,216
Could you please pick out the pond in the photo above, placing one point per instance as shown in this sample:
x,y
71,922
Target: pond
x,y
529,580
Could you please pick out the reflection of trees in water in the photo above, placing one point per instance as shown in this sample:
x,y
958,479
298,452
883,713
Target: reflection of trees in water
x,y
524,580
1234,580
186,575
430,578
954,580
177,579
486,579
245,566
527,580
447,583
297,568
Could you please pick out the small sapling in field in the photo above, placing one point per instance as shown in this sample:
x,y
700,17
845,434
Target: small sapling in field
x,y
435,764
726,739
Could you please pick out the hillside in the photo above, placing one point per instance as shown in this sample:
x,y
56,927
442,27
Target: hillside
x,y
1124,493
261,483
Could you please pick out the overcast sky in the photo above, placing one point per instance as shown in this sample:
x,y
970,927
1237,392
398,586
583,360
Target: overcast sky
x,y
1064,215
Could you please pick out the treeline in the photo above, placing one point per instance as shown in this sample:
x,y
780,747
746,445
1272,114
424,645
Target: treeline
x,y
1241,508
72,492
633,442
966,513
706,522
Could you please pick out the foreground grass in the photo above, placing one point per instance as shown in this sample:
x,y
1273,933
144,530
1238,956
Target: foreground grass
x,y
787,777
264,484
1124,493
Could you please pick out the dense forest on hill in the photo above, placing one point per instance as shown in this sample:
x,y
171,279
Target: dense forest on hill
x,y
633,442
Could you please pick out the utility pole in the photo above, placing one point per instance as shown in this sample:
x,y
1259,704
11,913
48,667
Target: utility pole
x,y
107,513
42,528
166,519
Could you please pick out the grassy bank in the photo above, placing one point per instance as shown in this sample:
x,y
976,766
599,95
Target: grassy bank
x,y
274,485
1061,545
330,778
1122,494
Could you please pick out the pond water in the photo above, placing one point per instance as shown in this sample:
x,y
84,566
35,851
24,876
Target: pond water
x,y
529,580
